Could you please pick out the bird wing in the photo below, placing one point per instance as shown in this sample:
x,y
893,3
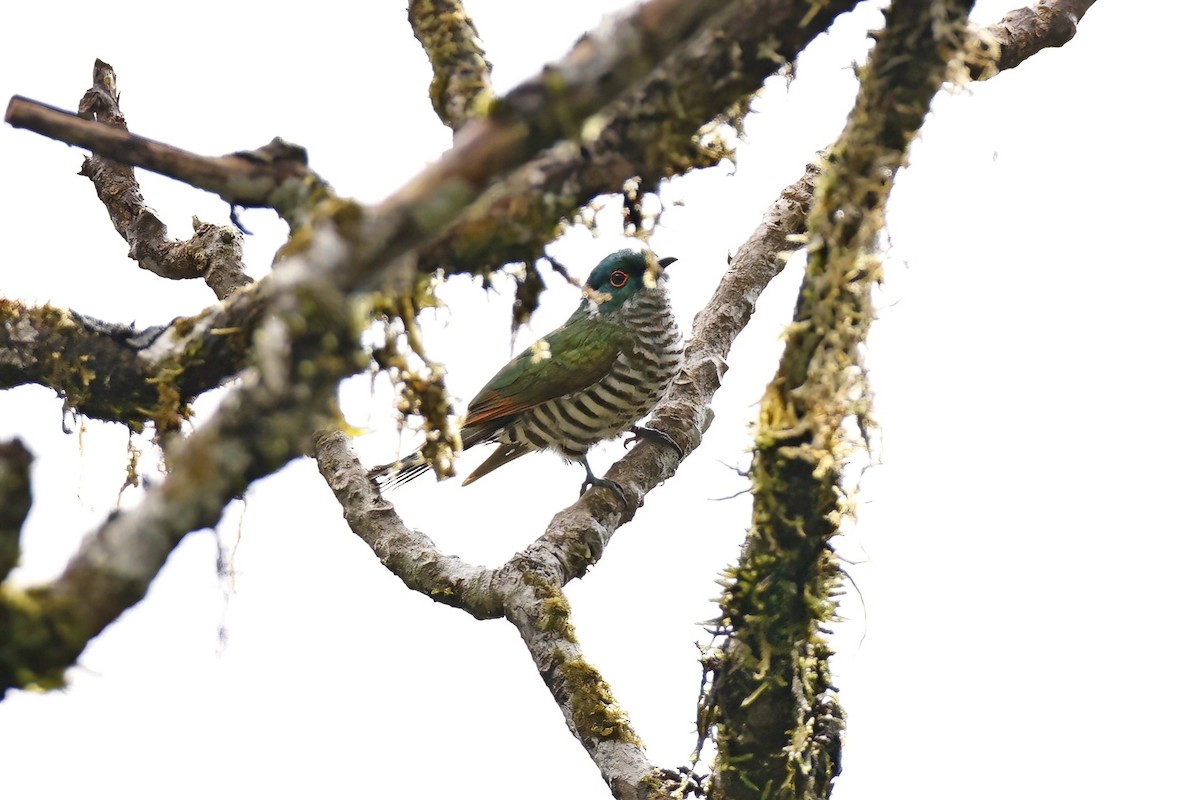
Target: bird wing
x,y
566,361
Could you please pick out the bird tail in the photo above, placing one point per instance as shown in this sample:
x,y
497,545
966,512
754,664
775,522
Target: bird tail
x,y
389,476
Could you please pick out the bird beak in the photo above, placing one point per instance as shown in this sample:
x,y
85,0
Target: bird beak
x,y
654,275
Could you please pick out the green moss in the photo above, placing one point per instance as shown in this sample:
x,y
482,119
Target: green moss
x,y
779,720
554,617
594,712
37,639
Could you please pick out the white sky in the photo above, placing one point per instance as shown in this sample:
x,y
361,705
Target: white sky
x,y
1025,551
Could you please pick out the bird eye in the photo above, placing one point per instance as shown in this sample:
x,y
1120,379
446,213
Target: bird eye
x,y
618,278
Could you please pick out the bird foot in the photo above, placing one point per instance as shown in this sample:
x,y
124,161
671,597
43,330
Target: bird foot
x,y
638,432
607,484
591,480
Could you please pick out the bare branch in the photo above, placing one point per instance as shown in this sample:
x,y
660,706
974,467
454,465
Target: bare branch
x,y
250,179
410,555
16,498
1022,33
214,253
461,79
776,711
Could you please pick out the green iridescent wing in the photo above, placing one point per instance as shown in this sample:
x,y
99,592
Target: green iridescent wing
x,y
566,361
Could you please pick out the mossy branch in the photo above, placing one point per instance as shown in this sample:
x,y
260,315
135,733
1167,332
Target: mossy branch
x,y
514,219
123,374
778,720
652,132
16,498
304,351
461,74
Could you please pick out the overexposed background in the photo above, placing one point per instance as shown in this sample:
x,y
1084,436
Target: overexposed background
x,y
1026,543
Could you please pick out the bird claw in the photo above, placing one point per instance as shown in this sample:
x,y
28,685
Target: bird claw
x,y
640,432
607,484
591,480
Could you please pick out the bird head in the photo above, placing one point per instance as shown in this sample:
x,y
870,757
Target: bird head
x,y
622,275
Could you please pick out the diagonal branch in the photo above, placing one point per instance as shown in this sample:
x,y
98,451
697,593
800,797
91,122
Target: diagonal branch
x,y
513,220
252,180
1022,33
651,132
527,591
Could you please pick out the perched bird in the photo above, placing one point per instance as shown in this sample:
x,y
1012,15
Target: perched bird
x,y
585,382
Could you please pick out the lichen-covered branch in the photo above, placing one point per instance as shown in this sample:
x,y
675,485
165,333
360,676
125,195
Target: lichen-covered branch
x,y
651,132
16,498
461,74
1022,33
214,253
535,604
118,373
778,721
526,590
409,554
309,344
383,236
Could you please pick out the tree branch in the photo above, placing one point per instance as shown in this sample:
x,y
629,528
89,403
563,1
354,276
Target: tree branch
x,y
650,132
526,590
461,73
409,554
214,253
1022,33
303,352
16,498
255,179
118,373
779,723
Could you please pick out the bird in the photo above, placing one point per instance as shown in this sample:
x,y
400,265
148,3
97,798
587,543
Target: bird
x,y
587,381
